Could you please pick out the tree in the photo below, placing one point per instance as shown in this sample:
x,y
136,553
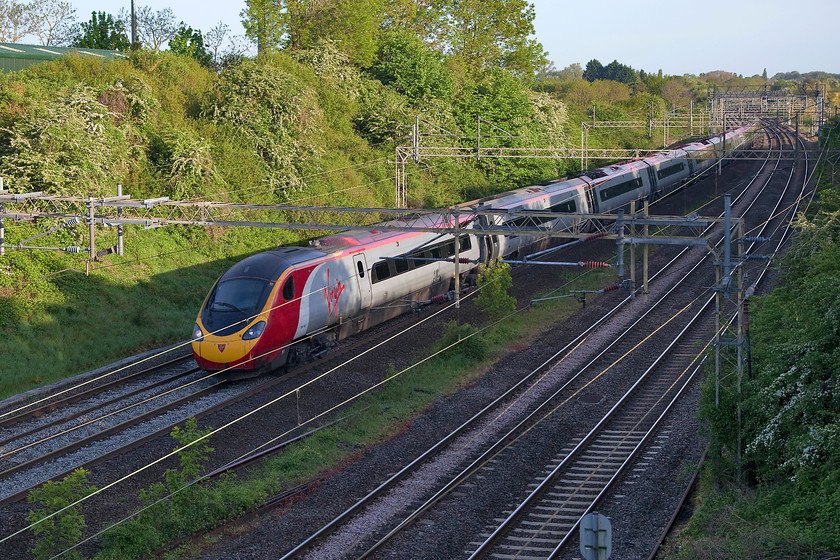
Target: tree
x,y
675,92
571,72
354,24
594,70
213,41
102,31
154,29
618,72
16,21
407,65
425,20
485,33
614,71
190,43
55,22
265,23
494,281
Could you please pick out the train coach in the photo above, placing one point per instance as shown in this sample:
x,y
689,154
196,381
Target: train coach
x,y
286,305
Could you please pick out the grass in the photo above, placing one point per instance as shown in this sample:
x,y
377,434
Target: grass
x,y
55,326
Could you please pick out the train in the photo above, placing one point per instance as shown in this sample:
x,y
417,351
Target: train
x,y
285,306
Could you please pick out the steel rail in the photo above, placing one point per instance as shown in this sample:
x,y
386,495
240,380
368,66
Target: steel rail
x,y
85,411
9,420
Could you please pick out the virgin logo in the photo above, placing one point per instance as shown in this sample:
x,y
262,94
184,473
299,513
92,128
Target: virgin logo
x,y
332,293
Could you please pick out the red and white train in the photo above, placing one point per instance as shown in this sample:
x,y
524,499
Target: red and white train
x,y
282,306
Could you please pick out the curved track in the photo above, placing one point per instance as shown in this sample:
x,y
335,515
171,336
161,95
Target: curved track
x,y
598,455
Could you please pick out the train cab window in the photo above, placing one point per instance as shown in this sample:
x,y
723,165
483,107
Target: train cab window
x,y
361,268
289,289
466,244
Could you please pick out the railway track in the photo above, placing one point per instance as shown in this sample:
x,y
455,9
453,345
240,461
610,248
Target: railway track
x,y
600,454
265,386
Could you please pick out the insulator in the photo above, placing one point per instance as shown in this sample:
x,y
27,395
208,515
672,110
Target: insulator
x,y
461,260
438,299
596,236
611,288
73,249
72,221
594,264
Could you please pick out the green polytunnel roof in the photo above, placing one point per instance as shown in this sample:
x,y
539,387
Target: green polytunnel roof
x,y
14,56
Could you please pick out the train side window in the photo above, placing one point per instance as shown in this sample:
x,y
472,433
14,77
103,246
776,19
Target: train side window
x,y
620,189
567,206
466,244
289,289
380,272
672,170
401,265
361,268
435,252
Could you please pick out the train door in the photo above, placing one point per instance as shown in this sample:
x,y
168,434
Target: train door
x,y
489,248
491,245
654,191
592,199
362,279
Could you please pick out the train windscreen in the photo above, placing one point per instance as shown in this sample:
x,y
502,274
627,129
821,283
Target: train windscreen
x,y
233,304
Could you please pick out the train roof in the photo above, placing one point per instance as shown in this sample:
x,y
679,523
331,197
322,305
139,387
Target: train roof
x,y
354,241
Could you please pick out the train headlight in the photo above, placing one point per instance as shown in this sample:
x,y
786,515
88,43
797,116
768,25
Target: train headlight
x,y
254,331
197,335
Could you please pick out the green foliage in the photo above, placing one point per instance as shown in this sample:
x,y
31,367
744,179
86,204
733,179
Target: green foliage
x,y
355,24
187,42
494,281
264,23
174,507
186,163
614,71
382,114
56,534
467,341
494,33
795,409
193,458
277,113
498,98
67,146
407,65
332,66
791,415
102,31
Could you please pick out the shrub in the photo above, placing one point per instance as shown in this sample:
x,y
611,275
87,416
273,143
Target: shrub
x,y
54,535
67,146
494,281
